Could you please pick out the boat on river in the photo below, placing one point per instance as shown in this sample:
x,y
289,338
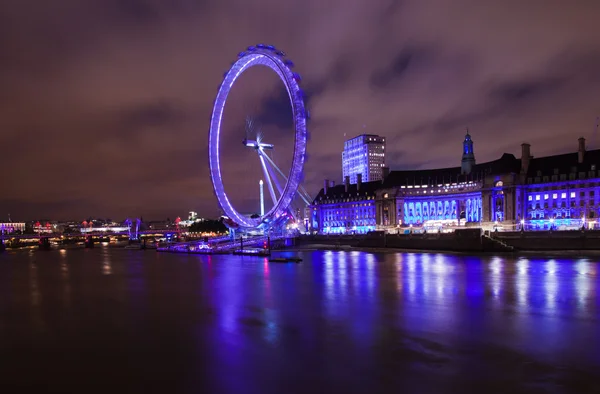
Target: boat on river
x,y
285,260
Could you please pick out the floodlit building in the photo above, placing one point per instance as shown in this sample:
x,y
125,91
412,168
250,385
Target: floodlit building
x,y
364,155
558,192
11,227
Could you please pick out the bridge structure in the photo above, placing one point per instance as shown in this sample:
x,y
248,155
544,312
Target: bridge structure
x,y
89,235
96,234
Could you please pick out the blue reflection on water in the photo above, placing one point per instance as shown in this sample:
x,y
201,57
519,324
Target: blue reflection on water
x,y
343,316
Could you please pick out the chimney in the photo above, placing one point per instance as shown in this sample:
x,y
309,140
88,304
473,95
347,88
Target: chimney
x,y
385,171
525,157
346,183
325,186
358,181
581,152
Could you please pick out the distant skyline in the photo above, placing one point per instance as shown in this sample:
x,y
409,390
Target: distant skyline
x,y
105,104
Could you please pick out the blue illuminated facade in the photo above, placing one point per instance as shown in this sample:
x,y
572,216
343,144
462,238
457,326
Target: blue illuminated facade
x,y
364,155
345,209
559,192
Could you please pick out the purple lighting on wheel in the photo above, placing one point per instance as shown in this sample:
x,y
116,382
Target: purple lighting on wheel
x,y
259,55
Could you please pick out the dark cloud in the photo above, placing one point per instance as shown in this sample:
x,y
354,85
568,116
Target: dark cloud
x,y
275,110
519,92
105,104
398,67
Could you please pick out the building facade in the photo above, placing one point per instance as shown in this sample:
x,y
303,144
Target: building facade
x,y
559,192
11,227
364,155
345,209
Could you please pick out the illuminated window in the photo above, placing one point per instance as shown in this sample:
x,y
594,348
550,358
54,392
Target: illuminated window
x,y
537,198
530,198
572,194
563,195
554,195
545,196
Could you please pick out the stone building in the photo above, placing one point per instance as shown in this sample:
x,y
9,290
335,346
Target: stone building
x,y
559,192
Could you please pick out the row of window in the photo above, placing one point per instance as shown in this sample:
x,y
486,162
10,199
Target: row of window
x,y
538,197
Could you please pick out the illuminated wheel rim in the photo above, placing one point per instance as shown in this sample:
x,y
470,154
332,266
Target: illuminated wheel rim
x,y
274,59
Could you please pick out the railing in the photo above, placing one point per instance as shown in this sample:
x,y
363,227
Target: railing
x,y
222,247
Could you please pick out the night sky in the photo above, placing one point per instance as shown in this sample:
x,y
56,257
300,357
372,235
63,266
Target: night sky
x,y
105,104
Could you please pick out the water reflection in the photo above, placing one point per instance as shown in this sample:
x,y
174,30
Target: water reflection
x,y
347,320
582,283
64,273
106,263
522,283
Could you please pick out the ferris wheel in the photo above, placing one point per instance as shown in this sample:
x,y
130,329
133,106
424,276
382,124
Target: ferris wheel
x,y
282,193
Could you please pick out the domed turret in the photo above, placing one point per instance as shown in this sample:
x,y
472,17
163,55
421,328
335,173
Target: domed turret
x,y
468,156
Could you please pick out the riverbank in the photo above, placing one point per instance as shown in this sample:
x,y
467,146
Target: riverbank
x,y
568,243
517,253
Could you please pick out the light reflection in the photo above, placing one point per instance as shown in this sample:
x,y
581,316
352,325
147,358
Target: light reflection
x,y
441,270
106,264
35,296
522,283
411,264
329,276
267,282
496,279
64,272
356,274
582,282
342,281
425,275
550,283
370,274
399,279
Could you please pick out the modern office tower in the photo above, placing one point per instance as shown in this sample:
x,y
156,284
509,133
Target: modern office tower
x,y
364,155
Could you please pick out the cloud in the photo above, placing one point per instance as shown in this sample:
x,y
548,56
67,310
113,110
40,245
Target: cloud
x,y
106,103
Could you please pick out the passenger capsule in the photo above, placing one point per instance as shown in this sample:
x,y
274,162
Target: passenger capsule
x,y
270,47
297,77
289,63
251,48
241,54
280,53
260,46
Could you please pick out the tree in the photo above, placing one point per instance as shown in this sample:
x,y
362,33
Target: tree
x,y
208,226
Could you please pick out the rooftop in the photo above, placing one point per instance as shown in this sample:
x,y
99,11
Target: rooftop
x,y
508,163
339,191
563,164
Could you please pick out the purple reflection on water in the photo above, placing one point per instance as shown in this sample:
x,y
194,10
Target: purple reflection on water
x,y
341,321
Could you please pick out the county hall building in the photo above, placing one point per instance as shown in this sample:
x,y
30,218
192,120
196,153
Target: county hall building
x,y
558,192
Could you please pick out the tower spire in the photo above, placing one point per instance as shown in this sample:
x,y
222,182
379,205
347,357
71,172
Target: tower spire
x,y
468,156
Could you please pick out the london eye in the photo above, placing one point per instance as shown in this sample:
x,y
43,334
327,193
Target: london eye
x,y
282,193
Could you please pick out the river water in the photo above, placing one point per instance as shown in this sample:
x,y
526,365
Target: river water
x,y
114,320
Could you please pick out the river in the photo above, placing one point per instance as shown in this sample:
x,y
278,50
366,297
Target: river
x,y
113,320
